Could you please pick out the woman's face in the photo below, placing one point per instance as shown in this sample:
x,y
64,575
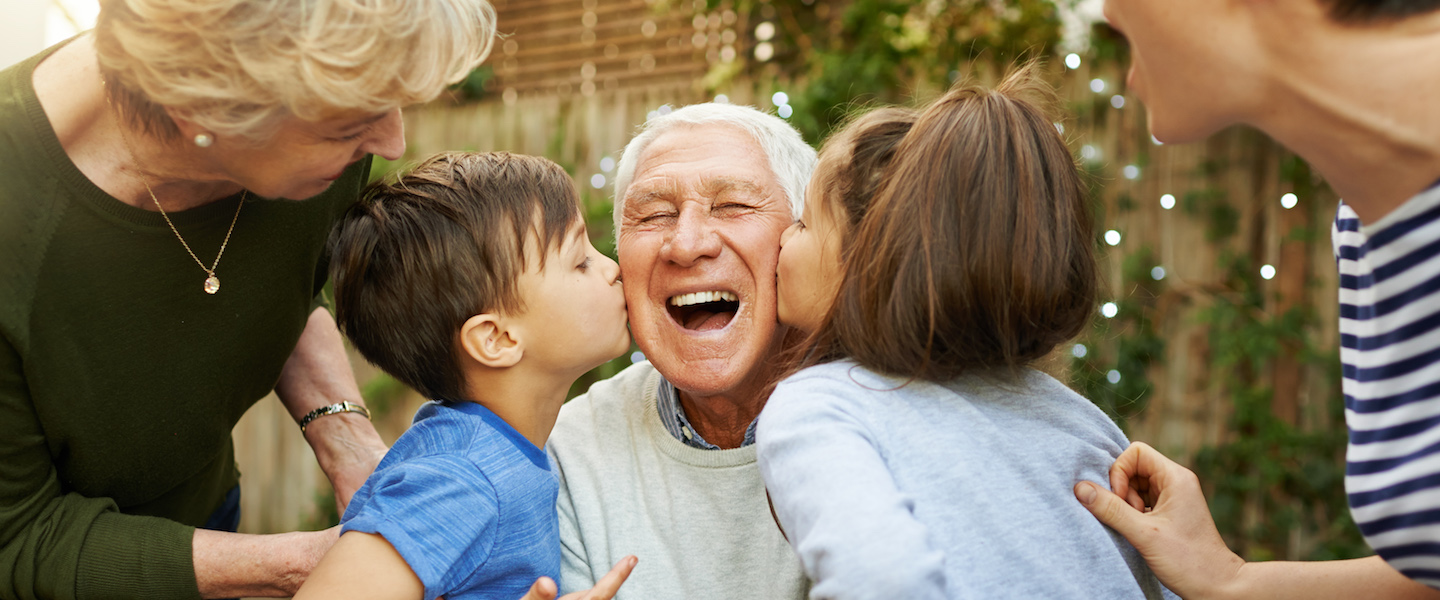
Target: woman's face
x,y
1188,63
808,274
305,157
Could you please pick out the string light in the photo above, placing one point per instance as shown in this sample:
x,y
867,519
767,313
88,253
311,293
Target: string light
x,y
1072,60
1109,309
1167,202
1079,350
1112,237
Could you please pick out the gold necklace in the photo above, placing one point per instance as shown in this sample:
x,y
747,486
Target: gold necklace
x,y
212,283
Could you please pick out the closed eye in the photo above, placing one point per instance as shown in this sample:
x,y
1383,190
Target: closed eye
x,y
585,264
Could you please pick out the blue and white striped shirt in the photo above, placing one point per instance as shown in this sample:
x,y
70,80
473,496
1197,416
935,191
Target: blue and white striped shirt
x,y
1390,351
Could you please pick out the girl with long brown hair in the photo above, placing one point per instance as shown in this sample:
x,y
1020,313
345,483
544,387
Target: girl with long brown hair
x,y
917,454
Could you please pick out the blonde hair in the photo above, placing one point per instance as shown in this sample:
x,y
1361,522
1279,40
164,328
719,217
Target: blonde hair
x,y
239,67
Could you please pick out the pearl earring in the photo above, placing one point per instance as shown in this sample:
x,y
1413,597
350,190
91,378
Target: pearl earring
x,y
203,140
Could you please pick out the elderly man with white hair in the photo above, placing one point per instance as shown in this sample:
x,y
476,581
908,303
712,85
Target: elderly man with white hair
x,y
659,460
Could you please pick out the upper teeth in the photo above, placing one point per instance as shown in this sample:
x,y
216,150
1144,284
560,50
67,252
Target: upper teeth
x,y
702,297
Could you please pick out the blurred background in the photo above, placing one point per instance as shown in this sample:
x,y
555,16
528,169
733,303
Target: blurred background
x,y
1215,337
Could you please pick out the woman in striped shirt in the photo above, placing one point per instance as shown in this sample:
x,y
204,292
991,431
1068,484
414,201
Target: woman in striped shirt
x,y
1349,85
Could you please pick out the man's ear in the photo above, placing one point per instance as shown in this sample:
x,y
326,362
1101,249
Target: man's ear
x,y
486,339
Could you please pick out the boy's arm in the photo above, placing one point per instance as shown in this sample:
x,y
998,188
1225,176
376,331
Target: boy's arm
x,y
362,566
1178,539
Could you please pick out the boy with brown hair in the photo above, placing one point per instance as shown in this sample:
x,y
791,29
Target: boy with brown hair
x,y
470,279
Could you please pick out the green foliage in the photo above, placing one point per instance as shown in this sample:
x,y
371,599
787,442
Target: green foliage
x,y
1126,343
863,51
472,87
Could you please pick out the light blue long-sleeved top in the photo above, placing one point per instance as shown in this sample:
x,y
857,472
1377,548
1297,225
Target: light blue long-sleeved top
x,y
962,490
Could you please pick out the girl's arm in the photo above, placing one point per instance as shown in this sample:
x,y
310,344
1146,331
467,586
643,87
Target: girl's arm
x,y
362,566
838,504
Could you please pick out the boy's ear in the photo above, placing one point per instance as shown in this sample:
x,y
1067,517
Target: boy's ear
x,y
486,339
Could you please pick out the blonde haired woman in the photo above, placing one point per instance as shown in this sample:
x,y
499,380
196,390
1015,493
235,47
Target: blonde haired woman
x,y
167,184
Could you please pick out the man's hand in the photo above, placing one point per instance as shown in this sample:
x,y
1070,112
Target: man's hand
x,y
1157,505
605,589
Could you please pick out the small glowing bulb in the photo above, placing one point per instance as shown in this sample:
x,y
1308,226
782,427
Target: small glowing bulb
x,y
722,99
1097,85
637,356
1060,128
597,181
1117,101
785,111
1112,237
1267,272
1113,376
1131,172
1079,350
1109,309
663,110
1072,60
764,31
1089,152
1167,202
1156,141
1289,200
780,99
607,164
1157,273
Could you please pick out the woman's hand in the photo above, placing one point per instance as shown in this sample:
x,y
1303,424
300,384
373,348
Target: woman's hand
x,y
605,589
1158,505
348,449
318,374
231,565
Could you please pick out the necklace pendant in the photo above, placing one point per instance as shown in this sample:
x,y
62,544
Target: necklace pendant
x,y
212,285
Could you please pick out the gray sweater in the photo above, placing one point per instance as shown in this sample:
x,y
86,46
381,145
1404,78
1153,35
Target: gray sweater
x,y
696,518
963,490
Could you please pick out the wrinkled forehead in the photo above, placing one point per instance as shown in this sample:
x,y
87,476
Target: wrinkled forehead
x,y
703,161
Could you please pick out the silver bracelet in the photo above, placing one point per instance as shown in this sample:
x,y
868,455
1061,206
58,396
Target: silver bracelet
x,y
333,409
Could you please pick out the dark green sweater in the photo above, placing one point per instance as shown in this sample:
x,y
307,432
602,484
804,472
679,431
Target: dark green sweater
x,y
120,379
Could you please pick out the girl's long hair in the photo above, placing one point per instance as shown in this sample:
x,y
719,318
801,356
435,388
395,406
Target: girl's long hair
x,y
975,250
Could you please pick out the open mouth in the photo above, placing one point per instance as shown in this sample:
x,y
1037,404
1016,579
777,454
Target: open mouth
x,y
703,311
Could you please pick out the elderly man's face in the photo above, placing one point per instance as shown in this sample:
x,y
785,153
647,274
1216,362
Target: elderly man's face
x,y
699,237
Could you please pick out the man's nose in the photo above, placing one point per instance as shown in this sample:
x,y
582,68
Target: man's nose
x,y
694,238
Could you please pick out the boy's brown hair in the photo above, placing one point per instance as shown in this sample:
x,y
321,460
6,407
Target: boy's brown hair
x,y
414,259
975,252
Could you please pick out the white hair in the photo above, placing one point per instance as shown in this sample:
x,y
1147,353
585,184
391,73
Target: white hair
x,y
791,159
240,67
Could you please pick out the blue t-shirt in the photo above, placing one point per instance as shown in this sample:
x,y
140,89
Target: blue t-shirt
x,y
467,501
